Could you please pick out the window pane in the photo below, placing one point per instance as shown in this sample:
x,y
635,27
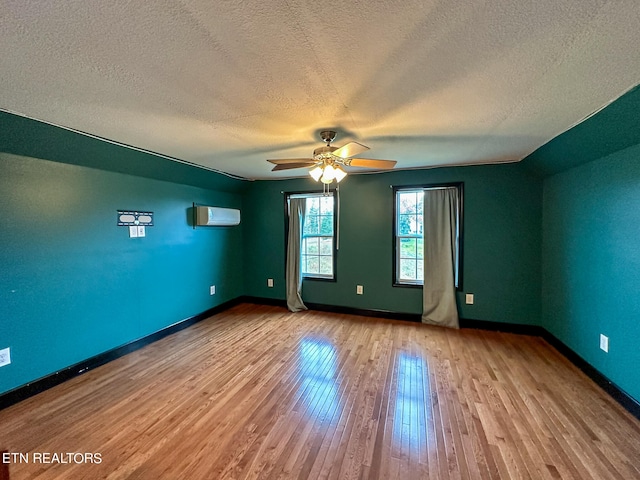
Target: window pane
x,y
326,246
408,269
326,206
313,265
406,224
407,202
311,226
408,248
326,225
310,246
326,265
409,224
420,247
420,270
313,205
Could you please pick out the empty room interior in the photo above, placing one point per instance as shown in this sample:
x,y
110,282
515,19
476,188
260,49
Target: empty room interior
x,y
329,240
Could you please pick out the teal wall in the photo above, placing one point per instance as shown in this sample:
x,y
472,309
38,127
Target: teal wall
x,y
591,226
502,242
612,129
73,285
30,138
591,254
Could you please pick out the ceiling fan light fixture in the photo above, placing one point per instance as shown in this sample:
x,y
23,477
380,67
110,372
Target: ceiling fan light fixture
x,y
326,164
328,175
316,173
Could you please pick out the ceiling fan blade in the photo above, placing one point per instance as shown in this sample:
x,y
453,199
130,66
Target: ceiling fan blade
x,y
285,161
370,163
288,166
350,149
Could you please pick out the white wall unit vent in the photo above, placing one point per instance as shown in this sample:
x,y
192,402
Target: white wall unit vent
x,y
217,216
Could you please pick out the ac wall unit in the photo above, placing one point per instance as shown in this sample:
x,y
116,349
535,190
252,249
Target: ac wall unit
x,y
217,216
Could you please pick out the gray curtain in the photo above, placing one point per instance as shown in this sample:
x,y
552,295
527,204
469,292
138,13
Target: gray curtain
x,y
294,268
440,257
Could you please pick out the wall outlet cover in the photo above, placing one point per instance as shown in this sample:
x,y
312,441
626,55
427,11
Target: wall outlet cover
x,y
269,282
359,289
5,356
604,343
212,290
469,298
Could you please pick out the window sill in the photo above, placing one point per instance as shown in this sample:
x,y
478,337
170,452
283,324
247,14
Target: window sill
x,y
407,285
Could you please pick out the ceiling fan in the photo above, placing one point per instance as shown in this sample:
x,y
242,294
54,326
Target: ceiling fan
x,y
327,162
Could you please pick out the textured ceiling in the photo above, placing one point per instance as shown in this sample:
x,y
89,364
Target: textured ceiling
x,y
229,83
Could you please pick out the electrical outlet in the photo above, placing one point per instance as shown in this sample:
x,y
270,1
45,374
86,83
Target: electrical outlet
x,y
269,282
469,298
212,290
359,290
5,356
604,343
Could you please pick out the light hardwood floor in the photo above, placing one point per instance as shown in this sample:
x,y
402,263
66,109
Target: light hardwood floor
x,y
258,392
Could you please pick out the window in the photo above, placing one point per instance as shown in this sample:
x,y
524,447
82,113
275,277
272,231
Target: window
x,y
409,235
317,251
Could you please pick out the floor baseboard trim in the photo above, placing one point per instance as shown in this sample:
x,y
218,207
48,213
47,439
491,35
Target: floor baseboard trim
x,y
273,302
410,317
623,398
517,328
37,386
322,307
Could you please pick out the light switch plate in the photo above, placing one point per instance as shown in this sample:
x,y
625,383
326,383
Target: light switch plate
x,y
141,231
359,289
133,231
269,282
469,299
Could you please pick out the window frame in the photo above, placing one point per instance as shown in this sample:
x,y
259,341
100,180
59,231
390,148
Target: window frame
x,y
394,231
315,193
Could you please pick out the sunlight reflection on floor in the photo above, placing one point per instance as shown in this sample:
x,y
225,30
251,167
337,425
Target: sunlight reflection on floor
x,y
319,386
409,420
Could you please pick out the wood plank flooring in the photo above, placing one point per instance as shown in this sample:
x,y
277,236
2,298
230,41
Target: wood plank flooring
x,y
258,392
